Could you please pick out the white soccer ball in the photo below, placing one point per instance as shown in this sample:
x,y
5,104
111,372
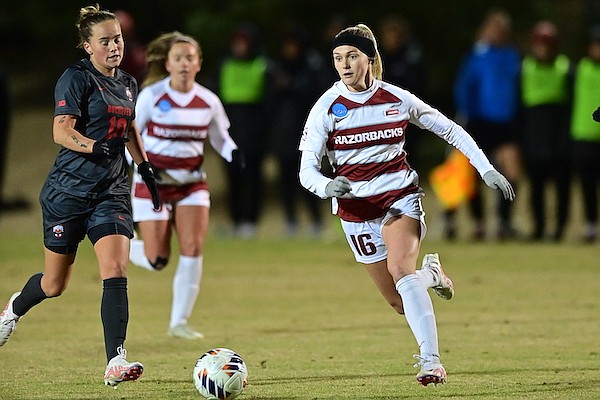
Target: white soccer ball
x,y
220,374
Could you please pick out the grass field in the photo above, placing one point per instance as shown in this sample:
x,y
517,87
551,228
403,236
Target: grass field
x,y
524,324
310,325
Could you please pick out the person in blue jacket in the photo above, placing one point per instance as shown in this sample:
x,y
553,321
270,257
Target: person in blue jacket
x,y
487,101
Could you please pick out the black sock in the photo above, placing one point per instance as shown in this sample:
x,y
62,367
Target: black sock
x,y
31,295
114,312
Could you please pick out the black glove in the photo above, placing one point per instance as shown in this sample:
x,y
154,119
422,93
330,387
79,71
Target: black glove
x,y
238,159
109,148
147,173
596,115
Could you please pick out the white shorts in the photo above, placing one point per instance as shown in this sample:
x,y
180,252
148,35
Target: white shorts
x,y
143,210
365,238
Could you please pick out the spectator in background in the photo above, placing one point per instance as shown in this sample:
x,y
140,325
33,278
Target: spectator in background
x,y
134,61
546,84
335,24
402,56
5,117
586,133
243,89
487,100
298,67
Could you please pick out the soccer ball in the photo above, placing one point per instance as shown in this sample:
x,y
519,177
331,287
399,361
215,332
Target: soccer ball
x,y
220,374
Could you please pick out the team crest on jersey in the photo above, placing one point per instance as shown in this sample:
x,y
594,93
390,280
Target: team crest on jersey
x,y
58,231
339,110
129,94
164,105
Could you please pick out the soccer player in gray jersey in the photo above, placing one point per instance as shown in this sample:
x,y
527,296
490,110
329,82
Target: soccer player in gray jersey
x,y
87,189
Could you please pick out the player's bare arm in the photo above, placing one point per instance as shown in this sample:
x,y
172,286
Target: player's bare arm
x,y
64,134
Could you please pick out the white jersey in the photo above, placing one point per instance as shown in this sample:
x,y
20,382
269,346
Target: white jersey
x,y
174,127
363,135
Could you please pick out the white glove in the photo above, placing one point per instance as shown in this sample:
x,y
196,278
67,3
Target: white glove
x,y
496,180
339,187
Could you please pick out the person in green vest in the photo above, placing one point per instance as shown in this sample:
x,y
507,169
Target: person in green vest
x,y
243,88
546,87
585,132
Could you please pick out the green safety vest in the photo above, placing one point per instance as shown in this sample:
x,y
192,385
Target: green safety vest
x,y
586,98
242,81
544,83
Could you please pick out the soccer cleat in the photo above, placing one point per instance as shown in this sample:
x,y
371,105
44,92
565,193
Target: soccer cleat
x,y
8,320
184,332
119,369
432,371
444,287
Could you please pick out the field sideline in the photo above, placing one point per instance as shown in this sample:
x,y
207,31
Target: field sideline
x,y
524,324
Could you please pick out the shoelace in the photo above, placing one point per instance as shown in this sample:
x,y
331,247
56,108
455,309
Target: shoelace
x,y
421,361
121,352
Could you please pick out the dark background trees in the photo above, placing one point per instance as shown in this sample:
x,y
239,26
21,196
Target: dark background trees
x,y
39,37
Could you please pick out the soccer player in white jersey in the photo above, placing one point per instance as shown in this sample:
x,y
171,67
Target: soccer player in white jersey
x,y
176,116
359,124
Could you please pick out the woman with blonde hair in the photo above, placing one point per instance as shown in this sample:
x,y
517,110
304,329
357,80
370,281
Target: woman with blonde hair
x,y
360,124
176,116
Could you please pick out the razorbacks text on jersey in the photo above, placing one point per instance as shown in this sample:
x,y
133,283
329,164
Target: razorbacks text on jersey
x,y
174,127
363,135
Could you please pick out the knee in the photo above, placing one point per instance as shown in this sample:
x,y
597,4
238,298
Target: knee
x,y
191,248
114,270
54,289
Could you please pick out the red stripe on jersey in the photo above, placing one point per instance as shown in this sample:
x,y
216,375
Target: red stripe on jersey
x,y
196,102
169,193
366,172
367,208
381,96
167,162
363,136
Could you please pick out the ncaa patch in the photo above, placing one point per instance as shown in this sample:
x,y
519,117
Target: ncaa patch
x,y
339,110
164,105
58,231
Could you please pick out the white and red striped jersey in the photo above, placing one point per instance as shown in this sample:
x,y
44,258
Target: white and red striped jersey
x,y
363,136
174,127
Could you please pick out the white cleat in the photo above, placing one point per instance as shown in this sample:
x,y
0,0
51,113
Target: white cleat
x,y
444,286
432,371
185,332
120,370
8,320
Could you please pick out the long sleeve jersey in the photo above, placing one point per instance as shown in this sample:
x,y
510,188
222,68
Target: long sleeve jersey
x,y
363,136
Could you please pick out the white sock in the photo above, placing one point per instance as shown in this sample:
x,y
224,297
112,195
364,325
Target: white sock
x,y
426,277
418,310
186,286
137,255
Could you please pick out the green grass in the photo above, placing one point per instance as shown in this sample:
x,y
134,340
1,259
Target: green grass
x,y
310,325
524,324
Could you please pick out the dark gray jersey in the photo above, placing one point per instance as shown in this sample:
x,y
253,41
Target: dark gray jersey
x,y
105,107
